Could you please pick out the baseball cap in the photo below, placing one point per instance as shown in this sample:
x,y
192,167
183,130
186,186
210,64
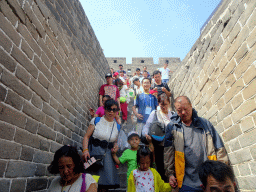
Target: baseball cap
x,y
108,75
115,74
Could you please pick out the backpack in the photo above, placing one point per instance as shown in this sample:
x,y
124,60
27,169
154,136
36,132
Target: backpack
x,y
157,130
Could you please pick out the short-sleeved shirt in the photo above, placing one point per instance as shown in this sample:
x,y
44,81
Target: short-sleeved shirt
x,y
159,88
142,102
118,71
103,130
130,157
164,73
75,187
100,111
110,90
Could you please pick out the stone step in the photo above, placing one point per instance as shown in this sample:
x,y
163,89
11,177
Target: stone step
x,y
118,190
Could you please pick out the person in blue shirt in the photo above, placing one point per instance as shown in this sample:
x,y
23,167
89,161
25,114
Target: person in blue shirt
x,y
145,104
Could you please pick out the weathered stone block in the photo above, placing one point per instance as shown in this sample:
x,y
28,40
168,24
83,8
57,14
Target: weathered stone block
x,y
43,68
227,70
230,80
55,146
234,145
59,138
244,169
251,40
219,93
5,42
3,165
9,150
31,125
62,129
42,79
227,122
250,74
251,22
27,50
248,138
236,101
27,153
37,101
237,86
5,185
240,156
231,133
47,109
43,157
56,94
244,109
25,32
24,61
18,185
250,90
45,145
12,116
247,124
40,90
36,184
46,132
233,34
9,30
14,100
227,110
253,167
248,11
34,112
3,92
245,63
26,138
7,61
20,169
40,170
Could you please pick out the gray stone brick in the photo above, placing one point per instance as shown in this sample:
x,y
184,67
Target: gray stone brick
x,y
24,61
46,132
7,61
47,109
14,100
248,138
43,8
27,50
240,156
54,93
54,103
6,131
46,50
12,116
3,165
23,75
49,121
39,89
37,101
25,32
9,30
31,125
55,146
12,82
9,150
2,93
5,185
20,169
33,112
40,170
27,153
56,73
26,138
234,145
5,41
43,157
7,11
253,167
35,184
67,141
244,169
59,138
45,145
42,79
18,185
62,129
18,10
232,133
43,68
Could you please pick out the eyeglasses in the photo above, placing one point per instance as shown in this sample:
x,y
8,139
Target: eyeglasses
x,y
112,109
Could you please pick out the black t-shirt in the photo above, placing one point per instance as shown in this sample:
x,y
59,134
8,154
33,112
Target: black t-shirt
x,y
159,88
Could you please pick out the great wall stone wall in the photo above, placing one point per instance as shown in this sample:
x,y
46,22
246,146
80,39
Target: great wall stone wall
x,y
52,65
218,74
51,68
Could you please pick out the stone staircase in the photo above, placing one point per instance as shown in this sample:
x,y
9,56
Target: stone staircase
x,y
123,167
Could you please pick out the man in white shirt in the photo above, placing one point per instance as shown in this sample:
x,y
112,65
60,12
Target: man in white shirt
x,y
165,73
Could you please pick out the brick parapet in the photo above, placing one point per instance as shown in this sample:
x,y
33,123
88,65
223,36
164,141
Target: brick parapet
x,y
51,68
218,75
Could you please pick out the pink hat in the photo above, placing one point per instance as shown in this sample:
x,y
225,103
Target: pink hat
x,y
115,74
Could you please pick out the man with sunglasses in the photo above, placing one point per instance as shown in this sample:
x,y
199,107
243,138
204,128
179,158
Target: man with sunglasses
x,y
109,89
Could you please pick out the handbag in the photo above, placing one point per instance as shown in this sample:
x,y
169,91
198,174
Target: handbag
x,y
157,130
96,161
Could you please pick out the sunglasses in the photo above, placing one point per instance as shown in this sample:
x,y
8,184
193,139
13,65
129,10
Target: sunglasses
x,y
112,109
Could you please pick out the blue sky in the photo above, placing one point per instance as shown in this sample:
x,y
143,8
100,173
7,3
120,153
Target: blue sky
x,y
148,28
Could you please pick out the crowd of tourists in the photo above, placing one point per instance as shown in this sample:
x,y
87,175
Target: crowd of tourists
x,y
168,150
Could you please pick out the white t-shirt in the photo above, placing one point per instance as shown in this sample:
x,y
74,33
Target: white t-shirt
x,y
103,129
144,180
75,187
165,73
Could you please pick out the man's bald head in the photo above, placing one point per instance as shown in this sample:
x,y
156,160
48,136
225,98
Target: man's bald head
x,y
182,99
